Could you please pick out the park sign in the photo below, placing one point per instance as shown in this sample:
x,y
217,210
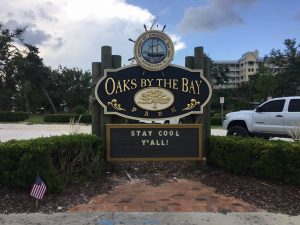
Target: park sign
x,y
136,93
153,89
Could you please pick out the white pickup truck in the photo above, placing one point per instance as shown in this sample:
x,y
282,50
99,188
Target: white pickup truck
x,y
274,118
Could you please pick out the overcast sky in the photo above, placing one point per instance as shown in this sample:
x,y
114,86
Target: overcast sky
x,y
71,32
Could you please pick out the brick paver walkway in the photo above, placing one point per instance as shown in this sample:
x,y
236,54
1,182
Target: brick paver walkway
x,y
175,196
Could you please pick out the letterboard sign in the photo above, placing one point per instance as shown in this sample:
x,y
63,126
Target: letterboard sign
x,y
152,142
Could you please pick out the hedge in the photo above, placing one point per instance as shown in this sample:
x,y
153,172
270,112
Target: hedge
x,y
216,120
13,116
275,160
65,118
59,160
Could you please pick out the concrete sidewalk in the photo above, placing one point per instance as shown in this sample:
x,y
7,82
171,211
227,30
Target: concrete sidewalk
x,y
157,218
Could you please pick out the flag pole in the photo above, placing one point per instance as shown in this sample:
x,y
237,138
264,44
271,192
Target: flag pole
x,y
36,203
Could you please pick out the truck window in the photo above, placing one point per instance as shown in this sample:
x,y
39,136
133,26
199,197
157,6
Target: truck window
x,y
273,106
294,105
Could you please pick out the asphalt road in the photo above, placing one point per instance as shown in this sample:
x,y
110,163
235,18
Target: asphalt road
x,y
20,131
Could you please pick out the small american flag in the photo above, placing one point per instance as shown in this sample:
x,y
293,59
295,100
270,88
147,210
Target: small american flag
x,y
39,188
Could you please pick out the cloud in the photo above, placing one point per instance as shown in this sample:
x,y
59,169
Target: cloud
x,y
45,15
210,17
29,14
178,44
32,35
36,37
71,32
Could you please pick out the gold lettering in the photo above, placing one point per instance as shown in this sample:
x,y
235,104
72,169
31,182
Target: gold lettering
x,y
175,84
146,82
159,80
166,83
125,87
173,109
119,87
110,92
133,109
185,87
143,83
146,113
133,84
198,83
192,87
149,82
160,114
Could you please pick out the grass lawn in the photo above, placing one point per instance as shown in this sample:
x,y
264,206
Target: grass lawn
x,y
216,127
35,119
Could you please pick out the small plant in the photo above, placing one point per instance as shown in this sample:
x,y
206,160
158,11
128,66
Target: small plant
x,y
74,125
295,131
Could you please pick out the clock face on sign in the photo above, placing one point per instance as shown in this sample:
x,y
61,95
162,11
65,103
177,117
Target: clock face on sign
x,y
154,50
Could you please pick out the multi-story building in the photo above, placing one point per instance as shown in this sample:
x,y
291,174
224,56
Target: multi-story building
x,y
240,70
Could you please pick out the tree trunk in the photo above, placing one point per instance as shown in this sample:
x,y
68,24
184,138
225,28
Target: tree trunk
x,y
49,99
26,87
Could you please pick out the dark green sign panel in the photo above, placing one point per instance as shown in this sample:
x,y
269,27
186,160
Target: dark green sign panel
x,y
149,142
136,93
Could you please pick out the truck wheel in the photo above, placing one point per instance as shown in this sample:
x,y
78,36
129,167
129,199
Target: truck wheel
x,y
238,131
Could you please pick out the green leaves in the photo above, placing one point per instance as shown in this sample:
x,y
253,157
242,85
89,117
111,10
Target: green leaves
x,y
13,116
59,160
275,160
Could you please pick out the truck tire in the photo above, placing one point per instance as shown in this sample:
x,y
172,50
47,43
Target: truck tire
x,y
238,131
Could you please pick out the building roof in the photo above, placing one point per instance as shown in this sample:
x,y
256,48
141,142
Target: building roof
x,y
226,62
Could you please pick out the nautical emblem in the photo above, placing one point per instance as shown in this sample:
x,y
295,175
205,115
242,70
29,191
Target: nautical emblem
x,y
153,50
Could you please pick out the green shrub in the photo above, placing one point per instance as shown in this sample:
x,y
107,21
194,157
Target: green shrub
x,y
79,109
59,160
275,160
216,120
13,116
65,118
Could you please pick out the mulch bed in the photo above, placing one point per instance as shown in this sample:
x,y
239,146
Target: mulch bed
x,y
263,194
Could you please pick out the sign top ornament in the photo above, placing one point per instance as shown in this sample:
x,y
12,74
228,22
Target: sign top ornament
x,y
153,50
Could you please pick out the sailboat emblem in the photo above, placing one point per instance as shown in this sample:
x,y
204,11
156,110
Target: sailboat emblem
x,y
154,50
